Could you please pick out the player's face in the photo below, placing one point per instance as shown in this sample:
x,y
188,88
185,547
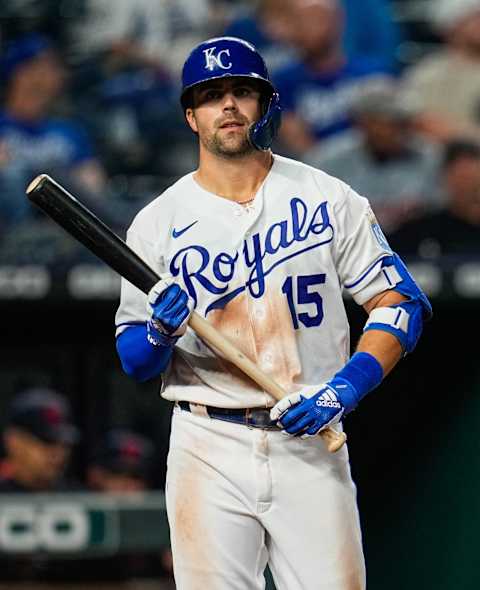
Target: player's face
x,y
316,27
42,462
466,33
384,134
44,77
222,114
108,481
463,183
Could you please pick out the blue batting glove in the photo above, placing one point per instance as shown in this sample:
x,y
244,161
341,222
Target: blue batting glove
x,y
169,307
307,412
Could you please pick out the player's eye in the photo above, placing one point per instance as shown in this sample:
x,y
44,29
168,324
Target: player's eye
x,y
211,94
243,91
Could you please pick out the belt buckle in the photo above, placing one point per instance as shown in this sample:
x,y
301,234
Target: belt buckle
x,y
248,415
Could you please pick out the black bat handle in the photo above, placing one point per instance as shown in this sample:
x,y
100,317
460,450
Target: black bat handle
x,y
88,229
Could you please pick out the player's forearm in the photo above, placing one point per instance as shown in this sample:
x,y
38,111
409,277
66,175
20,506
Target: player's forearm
x,y
376,354
393,328
385,347
140,359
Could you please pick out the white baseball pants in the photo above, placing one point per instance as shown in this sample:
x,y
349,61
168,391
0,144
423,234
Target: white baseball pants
x,y
239,497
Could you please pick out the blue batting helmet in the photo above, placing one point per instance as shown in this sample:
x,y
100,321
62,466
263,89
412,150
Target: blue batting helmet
x,y
225,57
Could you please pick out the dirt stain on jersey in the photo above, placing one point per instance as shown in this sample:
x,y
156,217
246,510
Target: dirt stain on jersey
x,y
234,323
277,343
262,329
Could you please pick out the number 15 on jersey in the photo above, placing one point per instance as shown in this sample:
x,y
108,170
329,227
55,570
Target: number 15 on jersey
x,y
301,291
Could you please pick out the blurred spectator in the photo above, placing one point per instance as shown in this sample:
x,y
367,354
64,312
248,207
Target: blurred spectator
x,y
383,158
123,54
447,81
267,26
151,33
122,463
31,140
316,91
371,31
37,440
19,17
455,229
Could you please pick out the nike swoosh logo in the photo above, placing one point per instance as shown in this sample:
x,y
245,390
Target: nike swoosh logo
x,y
177,233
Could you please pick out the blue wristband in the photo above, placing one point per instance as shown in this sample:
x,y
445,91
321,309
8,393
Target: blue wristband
x,y
140,359
362,373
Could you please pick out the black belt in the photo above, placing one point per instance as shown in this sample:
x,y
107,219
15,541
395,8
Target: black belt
x,y
253,417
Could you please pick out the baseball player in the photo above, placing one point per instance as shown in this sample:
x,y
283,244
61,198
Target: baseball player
x,y
262,247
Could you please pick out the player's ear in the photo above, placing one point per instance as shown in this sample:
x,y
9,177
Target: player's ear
x,y
190,116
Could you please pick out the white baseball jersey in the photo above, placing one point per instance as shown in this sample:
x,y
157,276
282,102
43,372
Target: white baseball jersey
x,y
269,276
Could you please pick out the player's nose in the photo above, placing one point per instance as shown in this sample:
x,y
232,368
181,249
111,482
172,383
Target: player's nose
x,y
229,102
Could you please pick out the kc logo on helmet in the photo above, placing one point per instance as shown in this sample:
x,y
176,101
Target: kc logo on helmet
x,y
213,60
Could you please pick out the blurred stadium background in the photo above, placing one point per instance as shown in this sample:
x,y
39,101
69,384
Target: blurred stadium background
x,y
115,80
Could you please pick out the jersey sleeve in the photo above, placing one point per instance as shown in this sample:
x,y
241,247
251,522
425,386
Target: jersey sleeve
x,y
132,309
360,249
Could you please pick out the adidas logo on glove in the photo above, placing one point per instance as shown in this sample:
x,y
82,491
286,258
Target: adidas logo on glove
x,y
325,403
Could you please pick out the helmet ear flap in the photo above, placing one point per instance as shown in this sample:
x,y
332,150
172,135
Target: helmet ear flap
x,y
262,133
265,100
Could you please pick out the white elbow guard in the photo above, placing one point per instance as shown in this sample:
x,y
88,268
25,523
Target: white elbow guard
x,y
403,320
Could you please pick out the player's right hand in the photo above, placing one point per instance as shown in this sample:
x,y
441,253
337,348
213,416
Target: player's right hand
x,y
169,307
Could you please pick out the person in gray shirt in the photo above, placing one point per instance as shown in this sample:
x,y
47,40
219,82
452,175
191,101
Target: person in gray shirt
x,y
383,157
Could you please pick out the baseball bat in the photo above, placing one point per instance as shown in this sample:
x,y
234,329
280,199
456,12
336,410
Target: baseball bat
x,y
88,229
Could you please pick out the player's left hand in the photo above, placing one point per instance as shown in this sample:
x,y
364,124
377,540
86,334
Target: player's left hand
x,y
310,410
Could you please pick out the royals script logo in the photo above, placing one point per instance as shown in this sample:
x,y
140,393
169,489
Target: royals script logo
x,y
216,60
301,231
